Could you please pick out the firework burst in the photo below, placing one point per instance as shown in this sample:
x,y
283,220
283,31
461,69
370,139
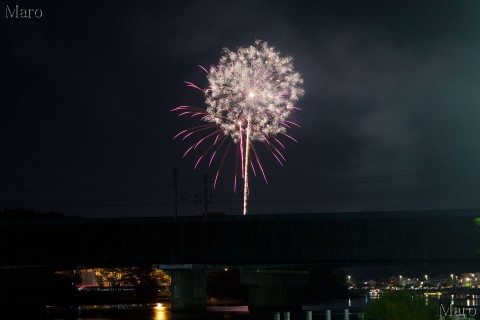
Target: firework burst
x,y
250,95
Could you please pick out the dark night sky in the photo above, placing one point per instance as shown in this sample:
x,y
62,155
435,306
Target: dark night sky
x,y
389,119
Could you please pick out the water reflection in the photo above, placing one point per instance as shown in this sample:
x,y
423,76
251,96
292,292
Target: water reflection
x,y
469,300
160,312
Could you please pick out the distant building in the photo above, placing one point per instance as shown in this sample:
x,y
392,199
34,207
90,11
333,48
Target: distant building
x,y
371,283
88,277
471,279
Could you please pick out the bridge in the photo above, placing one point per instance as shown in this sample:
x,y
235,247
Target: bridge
x,y
339,238
294,243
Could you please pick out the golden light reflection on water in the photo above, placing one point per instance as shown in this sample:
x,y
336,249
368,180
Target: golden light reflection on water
x,y
160,312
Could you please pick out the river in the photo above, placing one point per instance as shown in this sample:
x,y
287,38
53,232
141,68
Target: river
x,y
161,311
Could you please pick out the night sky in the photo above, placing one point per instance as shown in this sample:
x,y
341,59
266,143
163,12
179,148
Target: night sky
x,y
389,118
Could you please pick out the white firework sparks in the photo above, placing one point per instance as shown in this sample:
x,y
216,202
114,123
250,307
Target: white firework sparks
x,y
254,86
251,93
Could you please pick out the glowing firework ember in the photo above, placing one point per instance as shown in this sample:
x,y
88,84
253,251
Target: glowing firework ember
x,y
250,96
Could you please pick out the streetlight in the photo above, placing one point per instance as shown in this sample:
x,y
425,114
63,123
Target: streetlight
x,y
426,277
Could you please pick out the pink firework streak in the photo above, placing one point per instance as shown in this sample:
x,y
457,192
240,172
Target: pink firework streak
x,y
216,139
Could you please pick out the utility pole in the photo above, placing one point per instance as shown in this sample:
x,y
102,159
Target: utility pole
x,y
175,194
205,190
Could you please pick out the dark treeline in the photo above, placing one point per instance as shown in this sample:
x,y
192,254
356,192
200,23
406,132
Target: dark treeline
x,y
18,214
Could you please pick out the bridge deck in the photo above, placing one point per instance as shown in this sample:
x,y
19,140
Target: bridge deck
x,y
347,238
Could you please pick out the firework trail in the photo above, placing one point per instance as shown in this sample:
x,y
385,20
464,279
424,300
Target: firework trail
x,y
250,95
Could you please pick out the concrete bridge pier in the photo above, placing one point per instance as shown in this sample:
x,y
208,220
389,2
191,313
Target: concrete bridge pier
x,y
25,290
274,290
189,292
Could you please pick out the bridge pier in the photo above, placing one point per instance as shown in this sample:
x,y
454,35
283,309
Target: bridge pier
x,y
25,290
275,290
189,290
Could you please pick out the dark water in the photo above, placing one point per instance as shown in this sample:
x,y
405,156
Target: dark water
x,y
153,311
161,311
